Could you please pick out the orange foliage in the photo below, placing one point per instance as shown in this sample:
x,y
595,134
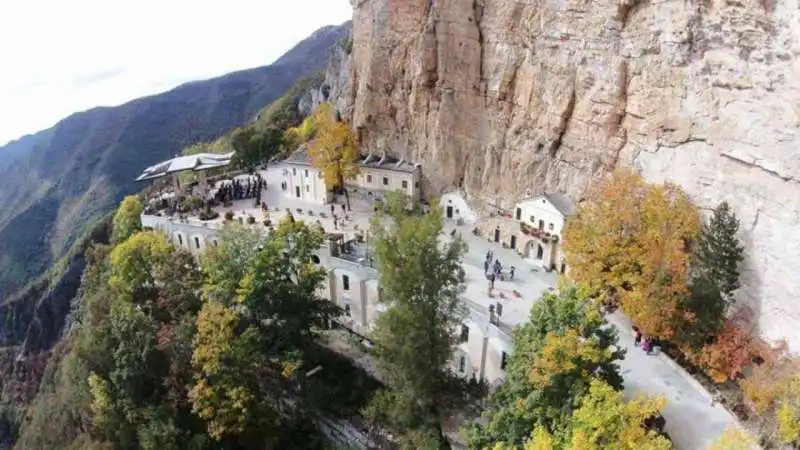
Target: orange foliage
x,y
733,349
629,243
769,381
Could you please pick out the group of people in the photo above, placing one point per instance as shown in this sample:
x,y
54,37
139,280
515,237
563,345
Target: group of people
x,y
497,269
647,344
240,190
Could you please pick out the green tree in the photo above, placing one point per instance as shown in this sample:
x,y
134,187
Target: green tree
x,y
719,251
705,309
127,220
334,150
421,279
226,264
254,147
135,262
557,353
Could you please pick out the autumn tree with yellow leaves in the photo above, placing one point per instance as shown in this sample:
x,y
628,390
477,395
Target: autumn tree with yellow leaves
x,y
631,244
333,149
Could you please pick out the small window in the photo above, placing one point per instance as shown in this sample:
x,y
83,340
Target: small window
x,y
464,333
532,219
541,224
405,184
315,259
416,184
462,364
347,310
385,181
345,282
306,172
180,240
369,178
294,170
197,242
504,361
551,226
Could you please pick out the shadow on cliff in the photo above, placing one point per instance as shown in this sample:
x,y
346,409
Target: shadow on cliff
x,y
752,286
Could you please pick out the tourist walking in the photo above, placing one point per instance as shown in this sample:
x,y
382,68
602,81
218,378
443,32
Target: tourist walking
x,y
637,336
511,272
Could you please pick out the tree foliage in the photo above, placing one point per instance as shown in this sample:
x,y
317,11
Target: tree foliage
x,y
127,220
734,438
226,264
254,147
730,351
334,150
565,345
630,243
421,279
719,252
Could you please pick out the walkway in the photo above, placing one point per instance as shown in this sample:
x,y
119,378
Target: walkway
x,y
692,422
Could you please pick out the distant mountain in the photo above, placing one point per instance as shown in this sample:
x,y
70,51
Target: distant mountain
x,y
55,182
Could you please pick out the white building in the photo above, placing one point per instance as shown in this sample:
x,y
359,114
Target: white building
x,y
542,220
303,181
377,175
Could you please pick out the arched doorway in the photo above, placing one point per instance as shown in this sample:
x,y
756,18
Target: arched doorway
x,y
497,235
513,243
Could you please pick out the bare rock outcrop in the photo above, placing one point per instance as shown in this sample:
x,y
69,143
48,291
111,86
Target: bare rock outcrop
x,y
511,98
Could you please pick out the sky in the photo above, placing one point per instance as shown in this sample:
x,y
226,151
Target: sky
x,y
59,57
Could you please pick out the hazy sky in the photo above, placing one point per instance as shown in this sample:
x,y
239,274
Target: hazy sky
x,y
58,57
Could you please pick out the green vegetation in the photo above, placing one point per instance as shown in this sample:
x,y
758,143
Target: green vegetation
x,y
420,280
171,354
558,354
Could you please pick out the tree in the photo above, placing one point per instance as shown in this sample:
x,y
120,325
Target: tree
x,y
127,220
731,350
704,308
226,264
719,252
253,146
557,353
421,279
788,413
734,438
334,150
629,243
134,263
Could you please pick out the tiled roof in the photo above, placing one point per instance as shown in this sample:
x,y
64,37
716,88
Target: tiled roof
x,y
562,203
301,158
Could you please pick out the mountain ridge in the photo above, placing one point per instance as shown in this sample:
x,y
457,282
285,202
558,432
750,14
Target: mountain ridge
x,y
56,181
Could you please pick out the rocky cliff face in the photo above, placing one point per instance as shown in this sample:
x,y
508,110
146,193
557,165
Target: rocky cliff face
x,y
513,98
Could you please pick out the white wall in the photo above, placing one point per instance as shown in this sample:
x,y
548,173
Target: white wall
x,y
540,209
460,207
371,179
309,181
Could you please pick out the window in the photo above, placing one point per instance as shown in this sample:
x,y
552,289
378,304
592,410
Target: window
x,y
315,259
369,178
347,310
180,240
416,184
532,219
308,188
306,172
551,226
197,242
294,170
345,282
385,181
405,184
464,334
541,224
504,361
519,213
462,364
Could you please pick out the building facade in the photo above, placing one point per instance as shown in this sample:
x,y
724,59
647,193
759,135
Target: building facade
x,y
377,176
352,284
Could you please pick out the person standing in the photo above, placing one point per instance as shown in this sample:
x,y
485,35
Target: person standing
x,y
511,272
637,336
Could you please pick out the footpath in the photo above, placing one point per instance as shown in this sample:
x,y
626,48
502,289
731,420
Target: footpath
x,y
693,422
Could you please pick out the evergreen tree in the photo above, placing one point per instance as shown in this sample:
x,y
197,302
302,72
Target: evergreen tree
x,y
421,279
719,251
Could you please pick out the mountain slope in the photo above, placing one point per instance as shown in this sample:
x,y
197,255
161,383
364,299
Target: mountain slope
x,y
54,182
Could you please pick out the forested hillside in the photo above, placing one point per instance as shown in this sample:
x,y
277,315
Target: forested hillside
x,y
53,183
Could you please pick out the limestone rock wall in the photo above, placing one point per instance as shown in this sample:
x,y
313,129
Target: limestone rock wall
x,y
516,97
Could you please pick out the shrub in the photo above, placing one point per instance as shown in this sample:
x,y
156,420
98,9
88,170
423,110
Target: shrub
x,y
267,223
210,215
251,220
229,215
731,351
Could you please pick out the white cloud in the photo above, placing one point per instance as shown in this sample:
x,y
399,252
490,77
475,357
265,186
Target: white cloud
x,y
58,57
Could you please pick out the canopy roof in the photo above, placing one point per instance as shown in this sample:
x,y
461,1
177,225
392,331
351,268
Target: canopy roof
x,y
196,162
